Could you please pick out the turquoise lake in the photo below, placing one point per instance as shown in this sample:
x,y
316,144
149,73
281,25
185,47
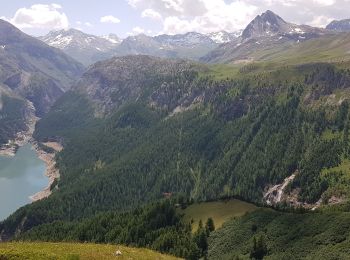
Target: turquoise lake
x,y
20,177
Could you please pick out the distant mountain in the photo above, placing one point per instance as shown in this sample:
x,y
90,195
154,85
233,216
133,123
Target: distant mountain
x,y
31,72
190,45
224,37
88,48
266,31
340,26
81,46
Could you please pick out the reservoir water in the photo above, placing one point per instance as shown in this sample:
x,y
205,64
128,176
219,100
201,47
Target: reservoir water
x,y
20,177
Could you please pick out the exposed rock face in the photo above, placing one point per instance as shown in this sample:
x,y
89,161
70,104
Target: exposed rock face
x,y
266,24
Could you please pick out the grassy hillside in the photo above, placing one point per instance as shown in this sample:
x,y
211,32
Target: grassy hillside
x,y
219,211
74,251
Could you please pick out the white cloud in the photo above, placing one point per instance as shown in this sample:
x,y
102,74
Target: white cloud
x,y
325,2
320,21
150,13
40,16
109,19
181,16
87,24
138,30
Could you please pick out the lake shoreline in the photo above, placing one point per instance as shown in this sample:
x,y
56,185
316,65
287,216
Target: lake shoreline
x,y
51,172
26,137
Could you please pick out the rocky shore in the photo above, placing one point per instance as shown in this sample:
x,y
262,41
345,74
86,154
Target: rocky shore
x,y
51,171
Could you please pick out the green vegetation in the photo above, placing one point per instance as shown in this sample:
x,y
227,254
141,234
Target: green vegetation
x,y
317,235
193,138
158,227
74,251
12,119
248,132
219,211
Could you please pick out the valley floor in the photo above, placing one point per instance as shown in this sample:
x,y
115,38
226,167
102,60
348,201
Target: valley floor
x,y
41,251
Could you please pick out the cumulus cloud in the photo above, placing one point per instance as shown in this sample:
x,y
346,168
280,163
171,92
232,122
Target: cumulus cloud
x,y
320,21
40,16
204,16
180,16
87,24
150,13
137,30
109,19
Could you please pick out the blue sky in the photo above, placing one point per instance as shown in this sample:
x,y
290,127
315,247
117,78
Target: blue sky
x,y
127,17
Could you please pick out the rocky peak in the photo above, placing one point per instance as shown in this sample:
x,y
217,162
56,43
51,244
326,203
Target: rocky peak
x,y
265,24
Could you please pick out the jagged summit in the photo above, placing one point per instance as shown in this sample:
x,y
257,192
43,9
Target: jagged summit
x,y
267,23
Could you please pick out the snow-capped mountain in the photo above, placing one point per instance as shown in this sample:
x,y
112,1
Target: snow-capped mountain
x,y
190,39
266,31
270,24
113,38
224,37
88,48
81,46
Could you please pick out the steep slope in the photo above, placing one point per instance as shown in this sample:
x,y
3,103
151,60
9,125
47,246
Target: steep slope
x,y
340,26
32,71
312,235
83,47
266,32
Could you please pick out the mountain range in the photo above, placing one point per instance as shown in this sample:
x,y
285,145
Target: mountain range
x,y
88,48
145,133
267,31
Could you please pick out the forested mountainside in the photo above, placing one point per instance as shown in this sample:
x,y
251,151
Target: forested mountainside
x,y
30,71
132,135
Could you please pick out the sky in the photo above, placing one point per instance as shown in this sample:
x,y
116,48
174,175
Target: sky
x,y
153,17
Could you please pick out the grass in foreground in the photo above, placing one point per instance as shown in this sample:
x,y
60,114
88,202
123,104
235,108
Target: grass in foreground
x,y
74,251
219,211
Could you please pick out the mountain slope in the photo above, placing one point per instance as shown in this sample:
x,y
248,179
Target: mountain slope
x,y
30,70
340,26
286,235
